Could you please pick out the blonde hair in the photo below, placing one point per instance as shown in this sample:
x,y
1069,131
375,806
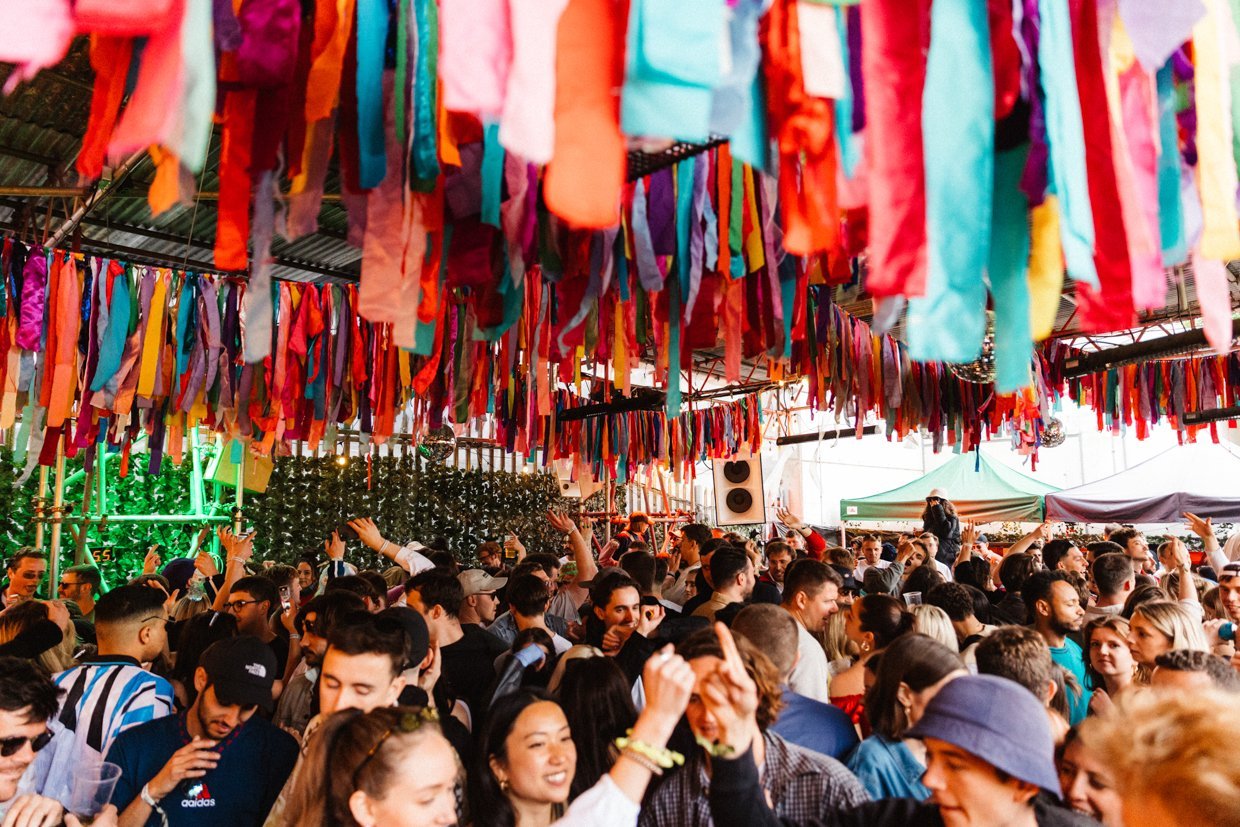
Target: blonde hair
x,y
933,622
24,615
834,640
1174,621
1174,748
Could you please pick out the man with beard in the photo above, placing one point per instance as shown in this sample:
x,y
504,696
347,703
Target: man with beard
x,y
1055,611
811,589
217,762
315,622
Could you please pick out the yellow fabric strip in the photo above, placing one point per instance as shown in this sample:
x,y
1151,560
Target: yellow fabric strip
x,y
153,338
1216,168
1046,268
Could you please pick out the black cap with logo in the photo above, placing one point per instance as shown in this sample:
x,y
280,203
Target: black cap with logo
x,y
242,670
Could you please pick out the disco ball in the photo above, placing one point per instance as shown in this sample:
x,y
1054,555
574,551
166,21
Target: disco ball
x,y
438,445
1052,433
982,369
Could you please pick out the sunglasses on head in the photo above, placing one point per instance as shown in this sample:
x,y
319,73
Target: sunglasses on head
x,y
8,746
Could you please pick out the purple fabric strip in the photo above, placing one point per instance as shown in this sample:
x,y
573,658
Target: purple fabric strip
x,y
1033,181
854,68
34,295
661,212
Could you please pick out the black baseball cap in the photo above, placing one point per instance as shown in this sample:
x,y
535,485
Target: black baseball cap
x,y
417,636
242,670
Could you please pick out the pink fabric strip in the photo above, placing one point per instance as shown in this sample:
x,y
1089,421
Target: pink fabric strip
x,y
527,127
1140,186
475,52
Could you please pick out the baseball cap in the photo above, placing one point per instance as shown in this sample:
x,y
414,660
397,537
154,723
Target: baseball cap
x,y
414,626
242,670
1229,570
998,721
474,581
850,584
178,573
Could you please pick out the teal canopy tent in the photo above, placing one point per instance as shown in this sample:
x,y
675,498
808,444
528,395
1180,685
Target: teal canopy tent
x,y
981,490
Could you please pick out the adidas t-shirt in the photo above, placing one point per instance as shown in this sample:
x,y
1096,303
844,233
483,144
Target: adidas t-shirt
x,y
255,761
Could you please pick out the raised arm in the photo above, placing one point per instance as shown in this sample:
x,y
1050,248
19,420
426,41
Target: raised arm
x,y
407,557
1042,532
238,549
968,536
1183,566
580,546
815,545
1205,530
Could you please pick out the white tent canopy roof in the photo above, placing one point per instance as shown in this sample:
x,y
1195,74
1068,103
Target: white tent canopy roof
x,y
1203,478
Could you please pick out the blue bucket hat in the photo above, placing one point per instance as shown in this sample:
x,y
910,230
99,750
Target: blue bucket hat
x,y
997,720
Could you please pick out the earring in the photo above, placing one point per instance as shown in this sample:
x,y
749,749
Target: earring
x,y
865,647
503,786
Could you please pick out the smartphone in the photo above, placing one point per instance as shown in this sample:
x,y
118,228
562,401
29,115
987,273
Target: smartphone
x,y
286,597
530,655
346,532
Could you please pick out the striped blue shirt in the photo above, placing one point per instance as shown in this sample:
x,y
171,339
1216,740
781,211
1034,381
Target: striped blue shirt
x,y
103,697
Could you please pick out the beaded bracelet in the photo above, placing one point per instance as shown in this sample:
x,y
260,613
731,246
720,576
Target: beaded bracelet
x,y
640,759
663,757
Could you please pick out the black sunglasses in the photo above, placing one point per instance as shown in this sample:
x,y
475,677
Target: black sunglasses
x,y
8,746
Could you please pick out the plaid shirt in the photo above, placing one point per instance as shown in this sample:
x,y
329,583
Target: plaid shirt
x,y
801,786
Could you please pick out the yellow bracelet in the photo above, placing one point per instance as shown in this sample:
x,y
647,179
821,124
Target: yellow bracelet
x,y
665,758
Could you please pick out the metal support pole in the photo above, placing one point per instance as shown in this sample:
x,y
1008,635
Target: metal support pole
x,y
197,493
240,494
79,546
40,506
58,502
118,176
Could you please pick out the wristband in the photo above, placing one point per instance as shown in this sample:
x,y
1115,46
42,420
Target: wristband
x,y
147,798
386,543
294,637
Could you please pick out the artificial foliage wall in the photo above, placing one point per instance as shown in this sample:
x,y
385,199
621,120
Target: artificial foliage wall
x,y
408,498
119,548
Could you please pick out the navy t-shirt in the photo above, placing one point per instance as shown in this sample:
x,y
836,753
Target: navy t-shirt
x,y
255,761
820,727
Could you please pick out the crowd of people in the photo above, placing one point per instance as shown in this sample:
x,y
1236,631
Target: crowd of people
x,y
918,679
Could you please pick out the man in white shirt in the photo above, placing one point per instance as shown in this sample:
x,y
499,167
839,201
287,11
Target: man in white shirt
x,y
1114,580
871,556
811,589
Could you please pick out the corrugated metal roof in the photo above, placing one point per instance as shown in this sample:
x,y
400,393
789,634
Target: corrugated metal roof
x,y
41,129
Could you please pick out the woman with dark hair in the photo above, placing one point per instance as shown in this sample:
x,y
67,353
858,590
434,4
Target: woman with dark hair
x,y
940,519
391,766
197,635
873,623
921,580
527,758
596,700
910,672
1143,593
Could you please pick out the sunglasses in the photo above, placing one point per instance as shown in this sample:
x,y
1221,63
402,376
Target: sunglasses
x,y
9,746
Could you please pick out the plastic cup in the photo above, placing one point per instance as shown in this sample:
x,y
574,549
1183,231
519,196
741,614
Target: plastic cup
x,y
92,791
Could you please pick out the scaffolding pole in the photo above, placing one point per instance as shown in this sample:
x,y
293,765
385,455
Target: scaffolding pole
x,y
58,502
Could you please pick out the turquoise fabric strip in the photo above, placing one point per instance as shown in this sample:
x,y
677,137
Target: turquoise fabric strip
x,y
1009,273
958,126
492,175
684,221
673,348
113,346
1065,135
1170,210
849,144
372,28
424,154
672,68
